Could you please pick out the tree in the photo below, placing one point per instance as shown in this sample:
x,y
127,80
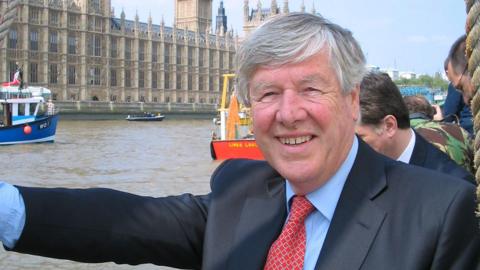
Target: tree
x,y
436,82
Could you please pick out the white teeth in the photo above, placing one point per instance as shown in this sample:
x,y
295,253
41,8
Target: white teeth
x,y
297,140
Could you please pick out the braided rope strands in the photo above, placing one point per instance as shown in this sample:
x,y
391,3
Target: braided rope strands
x,y
473,55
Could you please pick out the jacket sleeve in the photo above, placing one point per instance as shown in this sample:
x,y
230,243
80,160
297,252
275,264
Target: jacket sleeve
x,y
453,102
100,225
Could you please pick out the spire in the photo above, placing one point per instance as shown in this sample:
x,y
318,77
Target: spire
x,y
313,8
122,20
246,10
162,27
273,7
221,23
259,10
285,7
302,8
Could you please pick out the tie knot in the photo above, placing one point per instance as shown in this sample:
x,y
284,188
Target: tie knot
x,y
300,209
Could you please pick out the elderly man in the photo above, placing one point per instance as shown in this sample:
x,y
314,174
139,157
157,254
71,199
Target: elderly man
x,y
322,200
385,125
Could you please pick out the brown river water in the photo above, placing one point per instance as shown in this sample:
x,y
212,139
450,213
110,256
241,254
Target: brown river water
x,y
145,158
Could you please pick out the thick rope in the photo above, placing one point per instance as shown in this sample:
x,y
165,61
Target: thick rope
x,y
473,55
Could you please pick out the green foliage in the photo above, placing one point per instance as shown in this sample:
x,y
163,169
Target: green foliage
x,y
435,82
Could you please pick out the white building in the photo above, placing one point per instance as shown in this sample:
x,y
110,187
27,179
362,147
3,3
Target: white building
x,y
393,73
409,75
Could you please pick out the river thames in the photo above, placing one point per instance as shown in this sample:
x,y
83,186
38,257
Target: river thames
x,y
145,158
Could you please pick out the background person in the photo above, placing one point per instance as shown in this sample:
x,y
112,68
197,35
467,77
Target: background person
x,y
50,107
385,125
457,70
450,138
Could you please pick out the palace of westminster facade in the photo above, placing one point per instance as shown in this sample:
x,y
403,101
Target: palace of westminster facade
x,y
82,52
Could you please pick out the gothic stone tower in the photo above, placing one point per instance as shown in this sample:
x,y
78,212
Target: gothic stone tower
x,y
253,19
193,14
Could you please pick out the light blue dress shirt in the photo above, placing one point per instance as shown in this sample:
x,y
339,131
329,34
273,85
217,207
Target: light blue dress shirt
x,y
325,200
12,213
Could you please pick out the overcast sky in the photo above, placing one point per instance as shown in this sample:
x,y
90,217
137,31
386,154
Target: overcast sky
x,y
410,35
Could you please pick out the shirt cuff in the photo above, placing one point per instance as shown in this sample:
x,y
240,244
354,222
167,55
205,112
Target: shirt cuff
x,y
12,215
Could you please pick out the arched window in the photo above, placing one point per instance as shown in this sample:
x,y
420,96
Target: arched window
x,y
12,39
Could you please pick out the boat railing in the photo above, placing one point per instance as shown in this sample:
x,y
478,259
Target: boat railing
x,y
12,95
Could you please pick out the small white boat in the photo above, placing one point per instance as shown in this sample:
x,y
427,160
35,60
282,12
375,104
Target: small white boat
x,y
145,117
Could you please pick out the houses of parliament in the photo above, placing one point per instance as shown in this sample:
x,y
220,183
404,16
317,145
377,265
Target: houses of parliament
x,y
81,51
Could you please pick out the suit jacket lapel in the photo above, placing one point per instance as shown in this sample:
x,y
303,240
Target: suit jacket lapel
x,y
357,219
260,223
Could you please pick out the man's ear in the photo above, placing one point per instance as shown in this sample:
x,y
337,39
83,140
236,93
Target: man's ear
x,y
354,100
391,125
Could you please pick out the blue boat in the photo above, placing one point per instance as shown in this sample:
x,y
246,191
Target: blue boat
x,y
25,117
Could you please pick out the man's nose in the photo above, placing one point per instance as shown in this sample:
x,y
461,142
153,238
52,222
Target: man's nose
x,y
291,109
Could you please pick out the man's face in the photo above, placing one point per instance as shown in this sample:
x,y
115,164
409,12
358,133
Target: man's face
x,y
373,136
302,121
461,82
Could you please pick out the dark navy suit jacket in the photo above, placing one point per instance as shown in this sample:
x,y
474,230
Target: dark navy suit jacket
x,y
454,106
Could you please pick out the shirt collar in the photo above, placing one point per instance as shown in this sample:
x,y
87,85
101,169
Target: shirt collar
x,y
407,153
326,197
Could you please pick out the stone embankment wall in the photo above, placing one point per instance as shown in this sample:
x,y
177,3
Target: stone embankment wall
x,y
101,107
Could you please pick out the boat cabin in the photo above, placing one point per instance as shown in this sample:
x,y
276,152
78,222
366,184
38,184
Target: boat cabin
x,y
21,106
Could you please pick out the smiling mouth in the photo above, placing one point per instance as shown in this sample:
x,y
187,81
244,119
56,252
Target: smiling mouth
x,y
295,141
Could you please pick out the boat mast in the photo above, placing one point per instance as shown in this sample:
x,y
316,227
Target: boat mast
x,y
223,109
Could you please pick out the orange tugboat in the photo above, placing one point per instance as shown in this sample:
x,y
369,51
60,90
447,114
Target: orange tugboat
x,y
234,125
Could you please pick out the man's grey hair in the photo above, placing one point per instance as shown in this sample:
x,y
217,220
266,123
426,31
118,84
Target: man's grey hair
x,y
293,38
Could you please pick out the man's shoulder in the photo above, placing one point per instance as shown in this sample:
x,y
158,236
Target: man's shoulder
x,y
425,181
425,154
451,139
442,132
240,173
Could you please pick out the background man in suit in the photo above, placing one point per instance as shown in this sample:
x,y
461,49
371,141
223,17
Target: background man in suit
x,y
457,69
352,207
385,125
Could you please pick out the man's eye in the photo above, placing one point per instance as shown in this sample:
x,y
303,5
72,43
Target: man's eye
x,y
312,90
268,96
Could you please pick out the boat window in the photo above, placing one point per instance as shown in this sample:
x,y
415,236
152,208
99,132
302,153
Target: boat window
x,y
21,109
33,106
42,109
2,116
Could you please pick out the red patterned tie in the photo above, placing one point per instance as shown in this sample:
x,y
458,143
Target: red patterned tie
x,y
288,251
